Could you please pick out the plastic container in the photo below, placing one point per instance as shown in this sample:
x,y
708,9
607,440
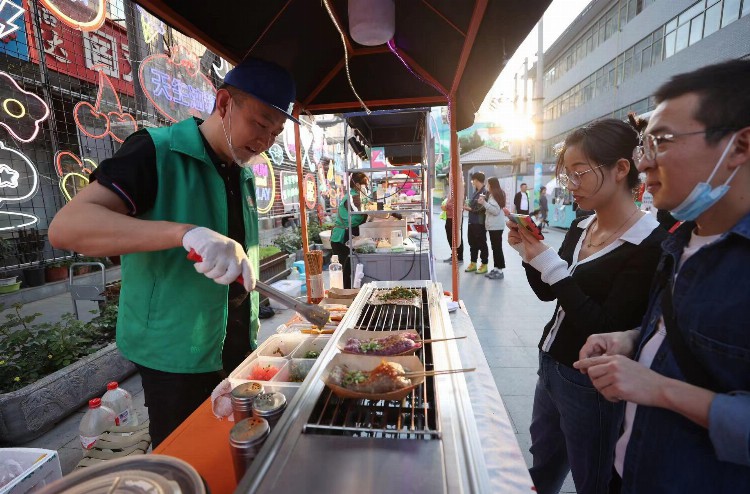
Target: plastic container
x,y
297,370
39,467
96,420
317,288
311,344
290,287
280,345
121,402
336,273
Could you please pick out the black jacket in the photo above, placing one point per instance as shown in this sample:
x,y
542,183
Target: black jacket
x,y
517,202
603,295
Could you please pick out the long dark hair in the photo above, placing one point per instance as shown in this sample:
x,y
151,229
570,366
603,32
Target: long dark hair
x,y
493,184
604,142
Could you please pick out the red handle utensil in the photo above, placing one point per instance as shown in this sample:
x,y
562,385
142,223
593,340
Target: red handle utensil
x,y
194,256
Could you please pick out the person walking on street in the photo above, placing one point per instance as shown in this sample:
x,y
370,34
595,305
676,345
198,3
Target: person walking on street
x,y
543,208
477,232
685,372
521,200
189,186
597,278
448,208
495,224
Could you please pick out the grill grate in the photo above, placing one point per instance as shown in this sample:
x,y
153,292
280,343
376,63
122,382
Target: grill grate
x,y
414,417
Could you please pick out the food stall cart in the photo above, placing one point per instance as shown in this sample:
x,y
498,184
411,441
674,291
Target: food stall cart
x,y
452,434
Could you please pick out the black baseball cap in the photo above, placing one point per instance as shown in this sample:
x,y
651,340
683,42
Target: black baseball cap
x,y
267,81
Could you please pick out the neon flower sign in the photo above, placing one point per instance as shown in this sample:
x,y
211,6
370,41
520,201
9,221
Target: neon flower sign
x,y
19,181
85,15
21,112
94,122
73,172
176,86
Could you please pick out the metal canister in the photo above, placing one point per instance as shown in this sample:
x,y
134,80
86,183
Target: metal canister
x,y
245,440
269,406
242,399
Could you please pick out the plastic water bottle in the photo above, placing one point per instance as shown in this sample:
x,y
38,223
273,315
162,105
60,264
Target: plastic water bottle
x,y
121,402
336,273
95,421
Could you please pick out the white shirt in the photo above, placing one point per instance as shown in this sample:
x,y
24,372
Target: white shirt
x,y
649,351
554,269
524,201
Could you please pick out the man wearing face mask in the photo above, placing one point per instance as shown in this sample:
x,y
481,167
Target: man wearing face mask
x,y
359,195
687,420
171,190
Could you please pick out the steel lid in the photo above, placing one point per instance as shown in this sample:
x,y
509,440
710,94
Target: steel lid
x,y
249,431
247,390
266,404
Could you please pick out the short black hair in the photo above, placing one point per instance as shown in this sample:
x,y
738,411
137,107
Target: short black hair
x,y
524,183
479,176
724,94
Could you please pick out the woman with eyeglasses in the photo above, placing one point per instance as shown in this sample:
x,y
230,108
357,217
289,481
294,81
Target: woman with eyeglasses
x,y
600,279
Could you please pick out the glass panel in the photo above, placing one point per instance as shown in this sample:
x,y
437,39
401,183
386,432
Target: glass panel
x,y
711,2
746,8
669,44
731,12
656,54
646,58
696,29
671,25
632,9
713,19
694,10
683,36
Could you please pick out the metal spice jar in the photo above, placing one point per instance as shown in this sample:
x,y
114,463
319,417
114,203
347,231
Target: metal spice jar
x,y
242,399
269,406
245,440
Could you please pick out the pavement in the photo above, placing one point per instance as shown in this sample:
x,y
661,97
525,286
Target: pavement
x,y
506,314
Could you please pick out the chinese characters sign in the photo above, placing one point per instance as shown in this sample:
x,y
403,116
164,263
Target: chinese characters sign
x,y
176,87
289,189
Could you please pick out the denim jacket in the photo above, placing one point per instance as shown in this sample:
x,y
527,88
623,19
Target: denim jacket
x,y
667,452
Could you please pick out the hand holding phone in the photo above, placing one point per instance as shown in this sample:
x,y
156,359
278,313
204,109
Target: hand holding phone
x,y
525,221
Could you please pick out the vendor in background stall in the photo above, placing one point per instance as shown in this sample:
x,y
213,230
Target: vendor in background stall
x,y
167,191
340,234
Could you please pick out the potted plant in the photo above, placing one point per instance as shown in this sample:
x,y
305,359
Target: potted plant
x,y
56,270
30,245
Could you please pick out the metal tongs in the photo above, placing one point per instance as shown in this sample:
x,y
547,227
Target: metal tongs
x,y
316,314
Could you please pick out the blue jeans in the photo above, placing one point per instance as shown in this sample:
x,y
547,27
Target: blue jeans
x,y
573,428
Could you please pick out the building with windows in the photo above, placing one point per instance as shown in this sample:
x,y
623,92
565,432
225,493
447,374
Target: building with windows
x,y
616,53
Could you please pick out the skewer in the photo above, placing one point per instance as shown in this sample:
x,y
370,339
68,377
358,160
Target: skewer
x,y
433,340
437,372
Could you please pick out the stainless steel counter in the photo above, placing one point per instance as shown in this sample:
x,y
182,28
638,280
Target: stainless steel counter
x,y
471,448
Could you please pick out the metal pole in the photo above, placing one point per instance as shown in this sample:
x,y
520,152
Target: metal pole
x,y
454,182
539,94
301,189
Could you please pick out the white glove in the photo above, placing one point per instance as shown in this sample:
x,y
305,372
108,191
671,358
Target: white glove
x,y
223,258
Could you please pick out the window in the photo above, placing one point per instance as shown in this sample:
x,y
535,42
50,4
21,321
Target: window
x,y
713,19
658,46
731,12
669,44
687,15
746,8
683,36
696,29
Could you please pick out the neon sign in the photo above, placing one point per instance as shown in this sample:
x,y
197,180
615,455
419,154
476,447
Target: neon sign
x,y
176,86
151,26
311,191
85,15
265,183
94,122
19,182
73,172
22,111
276,154
289,189
222,69
9,13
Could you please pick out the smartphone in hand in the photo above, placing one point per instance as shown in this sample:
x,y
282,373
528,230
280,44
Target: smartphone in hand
x,y
525,221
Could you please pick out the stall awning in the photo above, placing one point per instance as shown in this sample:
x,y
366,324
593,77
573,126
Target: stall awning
x,y
455,47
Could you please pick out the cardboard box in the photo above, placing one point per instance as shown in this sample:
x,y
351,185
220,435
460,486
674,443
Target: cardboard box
x,y
41,467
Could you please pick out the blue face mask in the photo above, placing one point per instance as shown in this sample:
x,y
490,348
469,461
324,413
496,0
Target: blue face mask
x,y
703,196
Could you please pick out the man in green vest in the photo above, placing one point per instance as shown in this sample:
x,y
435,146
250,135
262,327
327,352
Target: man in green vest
x,y
171,190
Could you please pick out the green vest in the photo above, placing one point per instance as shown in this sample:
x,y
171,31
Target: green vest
x,y
341,223
172,318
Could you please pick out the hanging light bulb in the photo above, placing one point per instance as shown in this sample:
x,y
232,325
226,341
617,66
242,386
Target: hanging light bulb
x,y
372,22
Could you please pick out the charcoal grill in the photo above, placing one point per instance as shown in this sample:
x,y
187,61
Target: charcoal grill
x,y
327,444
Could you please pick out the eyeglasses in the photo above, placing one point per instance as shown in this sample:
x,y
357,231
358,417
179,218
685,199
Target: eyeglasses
x,y
649,144
574,178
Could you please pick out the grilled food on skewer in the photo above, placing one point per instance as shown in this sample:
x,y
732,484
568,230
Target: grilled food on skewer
x,y
395,344
386,377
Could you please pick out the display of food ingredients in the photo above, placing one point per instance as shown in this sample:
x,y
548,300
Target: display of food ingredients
x,y
263,372
366,249
298,373
278,352
397,296
395,344
386,377
312,354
